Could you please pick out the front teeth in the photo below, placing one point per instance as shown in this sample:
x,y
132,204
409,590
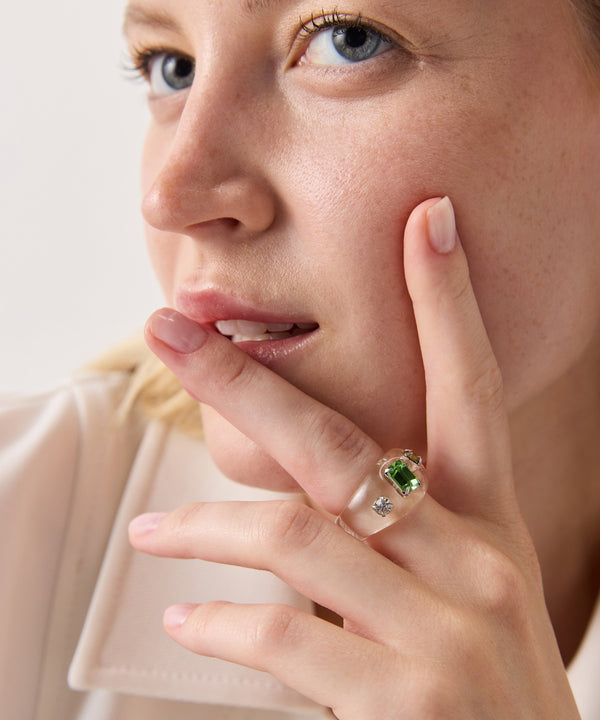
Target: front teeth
x,y
244,330
248,328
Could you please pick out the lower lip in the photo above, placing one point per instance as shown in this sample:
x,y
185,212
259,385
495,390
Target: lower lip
x,y
273,352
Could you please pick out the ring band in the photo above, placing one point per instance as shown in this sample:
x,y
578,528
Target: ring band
x,y
388,493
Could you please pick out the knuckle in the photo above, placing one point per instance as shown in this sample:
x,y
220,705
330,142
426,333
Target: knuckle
x,y
207,615
459,290
293,526
331,432
235,371
183,521
486,387
186,515
275,626
502,587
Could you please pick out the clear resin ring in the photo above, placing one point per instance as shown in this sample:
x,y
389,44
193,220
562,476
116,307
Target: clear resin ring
x,y
386,495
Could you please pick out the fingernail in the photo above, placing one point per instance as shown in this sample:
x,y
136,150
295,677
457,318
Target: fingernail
x,y
175,330
176,615
147,523
441,224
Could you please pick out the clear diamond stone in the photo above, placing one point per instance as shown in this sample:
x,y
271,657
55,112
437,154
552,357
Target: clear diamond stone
x,y
383,506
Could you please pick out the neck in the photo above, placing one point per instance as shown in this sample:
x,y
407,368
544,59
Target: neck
x,y
557,469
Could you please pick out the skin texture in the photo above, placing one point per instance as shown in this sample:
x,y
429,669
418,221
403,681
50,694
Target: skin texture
x,y
454,120
288,186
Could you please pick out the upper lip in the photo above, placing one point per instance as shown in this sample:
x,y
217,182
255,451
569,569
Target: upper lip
x,y
207,304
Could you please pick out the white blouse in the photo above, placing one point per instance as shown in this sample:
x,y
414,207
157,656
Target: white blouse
x,y
81,634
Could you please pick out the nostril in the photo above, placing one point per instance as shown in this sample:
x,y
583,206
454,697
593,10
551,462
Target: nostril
x,y
224,224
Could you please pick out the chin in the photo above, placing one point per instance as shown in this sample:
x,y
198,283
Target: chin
x,y
240,459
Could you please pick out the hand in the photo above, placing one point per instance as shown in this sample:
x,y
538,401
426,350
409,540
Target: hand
x,y
444,613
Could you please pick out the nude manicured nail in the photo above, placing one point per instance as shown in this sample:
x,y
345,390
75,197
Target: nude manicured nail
x,y
147,523
175,330
176,615
441,225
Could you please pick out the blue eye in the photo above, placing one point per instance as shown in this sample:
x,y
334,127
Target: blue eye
x,y
340,45
169,72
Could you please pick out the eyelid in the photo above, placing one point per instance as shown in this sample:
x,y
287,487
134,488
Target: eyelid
x,y
315,24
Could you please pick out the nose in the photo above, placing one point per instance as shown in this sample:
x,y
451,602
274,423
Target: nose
x,y
210,172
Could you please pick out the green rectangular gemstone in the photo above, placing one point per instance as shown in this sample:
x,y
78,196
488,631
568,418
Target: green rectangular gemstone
x,y
402,477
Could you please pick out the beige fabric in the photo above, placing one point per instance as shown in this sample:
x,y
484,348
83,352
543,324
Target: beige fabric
x,y
62,471
123,646
69,484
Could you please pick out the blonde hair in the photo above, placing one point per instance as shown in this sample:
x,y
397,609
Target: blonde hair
x,y
152,387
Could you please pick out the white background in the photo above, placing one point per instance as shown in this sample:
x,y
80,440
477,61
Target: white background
x,y
74,278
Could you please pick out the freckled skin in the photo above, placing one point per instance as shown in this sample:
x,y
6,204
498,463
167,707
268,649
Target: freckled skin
x,y
483,121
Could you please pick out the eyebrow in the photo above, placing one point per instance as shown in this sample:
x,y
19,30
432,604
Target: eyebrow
x,y
254,5
155,19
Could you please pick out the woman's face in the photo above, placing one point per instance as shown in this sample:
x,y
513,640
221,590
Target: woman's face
x,y
277,185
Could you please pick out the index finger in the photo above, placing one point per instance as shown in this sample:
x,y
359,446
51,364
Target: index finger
x,y
327,454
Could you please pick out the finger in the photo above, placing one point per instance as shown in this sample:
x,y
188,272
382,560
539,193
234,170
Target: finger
x,y
322,450
432,553
302,548
320,660
467,428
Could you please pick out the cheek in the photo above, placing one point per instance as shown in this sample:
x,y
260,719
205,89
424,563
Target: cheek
x,y
523,214
350,187
526,224
363,170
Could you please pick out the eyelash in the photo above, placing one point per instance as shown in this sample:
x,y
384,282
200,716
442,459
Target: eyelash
x,y
140,60
315,25
137,64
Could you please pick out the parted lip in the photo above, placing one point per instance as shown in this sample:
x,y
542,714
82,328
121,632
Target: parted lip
x,y
207,305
